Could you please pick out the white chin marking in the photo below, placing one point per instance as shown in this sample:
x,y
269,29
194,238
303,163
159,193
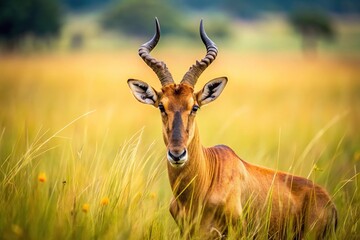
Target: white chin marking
x,y
177,164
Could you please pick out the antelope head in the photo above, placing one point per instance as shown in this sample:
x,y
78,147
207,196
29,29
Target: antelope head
x,y
178,103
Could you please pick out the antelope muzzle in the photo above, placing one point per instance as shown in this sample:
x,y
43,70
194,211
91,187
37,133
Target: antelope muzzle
x,y
177,152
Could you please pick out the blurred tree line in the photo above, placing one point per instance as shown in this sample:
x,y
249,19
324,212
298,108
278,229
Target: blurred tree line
x,y
312,26
243,8
39,19
132,17
42,19
251,8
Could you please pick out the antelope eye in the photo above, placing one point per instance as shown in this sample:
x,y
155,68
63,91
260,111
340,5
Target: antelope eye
x,y
195,108
162,109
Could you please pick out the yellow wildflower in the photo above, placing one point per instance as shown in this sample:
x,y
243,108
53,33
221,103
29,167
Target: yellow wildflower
x,y
104,201
85,207
42,177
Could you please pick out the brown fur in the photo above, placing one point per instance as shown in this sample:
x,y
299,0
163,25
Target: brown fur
x,y
215,189
215,185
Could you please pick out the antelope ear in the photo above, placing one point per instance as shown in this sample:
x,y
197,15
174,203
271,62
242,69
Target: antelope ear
x,y
143,92
211,90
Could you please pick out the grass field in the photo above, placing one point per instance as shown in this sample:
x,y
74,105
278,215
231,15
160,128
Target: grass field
x,y
80,158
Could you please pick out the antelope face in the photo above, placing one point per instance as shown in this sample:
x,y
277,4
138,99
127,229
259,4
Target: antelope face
x,y
178,108
178,103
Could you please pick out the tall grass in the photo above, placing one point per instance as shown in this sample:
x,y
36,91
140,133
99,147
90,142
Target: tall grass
x,y
81,159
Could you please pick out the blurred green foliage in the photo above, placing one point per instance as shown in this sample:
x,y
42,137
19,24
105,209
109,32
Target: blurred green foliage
x,y
316,21
132,17
251,9
21,18
25,22
312,25
243,8
84,4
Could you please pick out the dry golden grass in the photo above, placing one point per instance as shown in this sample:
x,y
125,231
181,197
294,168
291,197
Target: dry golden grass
x,y
72,118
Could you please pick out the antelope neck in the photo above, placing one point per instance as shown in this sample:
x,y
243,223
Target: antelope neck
x,y
192,175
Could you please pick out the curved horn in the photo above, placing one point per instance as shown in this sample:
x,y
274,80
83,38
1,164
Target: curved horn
x,y
195,70
158,67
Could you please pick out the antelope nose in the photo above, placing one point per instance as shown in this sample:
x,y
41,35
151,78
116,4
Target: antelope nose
x,y
177,156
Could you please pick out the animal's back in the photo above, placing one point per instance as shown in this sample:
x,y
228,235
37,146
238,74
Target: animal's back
x,y
296,199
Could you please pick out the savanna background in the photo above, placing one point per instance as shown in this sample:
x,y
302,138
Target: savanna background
x,y
80,158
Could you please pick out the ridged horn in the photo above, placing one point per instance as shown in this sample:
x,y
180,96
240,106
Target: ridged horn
x,y
158,67
195,70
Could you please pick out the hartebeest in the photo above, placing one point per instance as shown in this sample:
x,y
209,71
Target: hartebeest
x,y
213,188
